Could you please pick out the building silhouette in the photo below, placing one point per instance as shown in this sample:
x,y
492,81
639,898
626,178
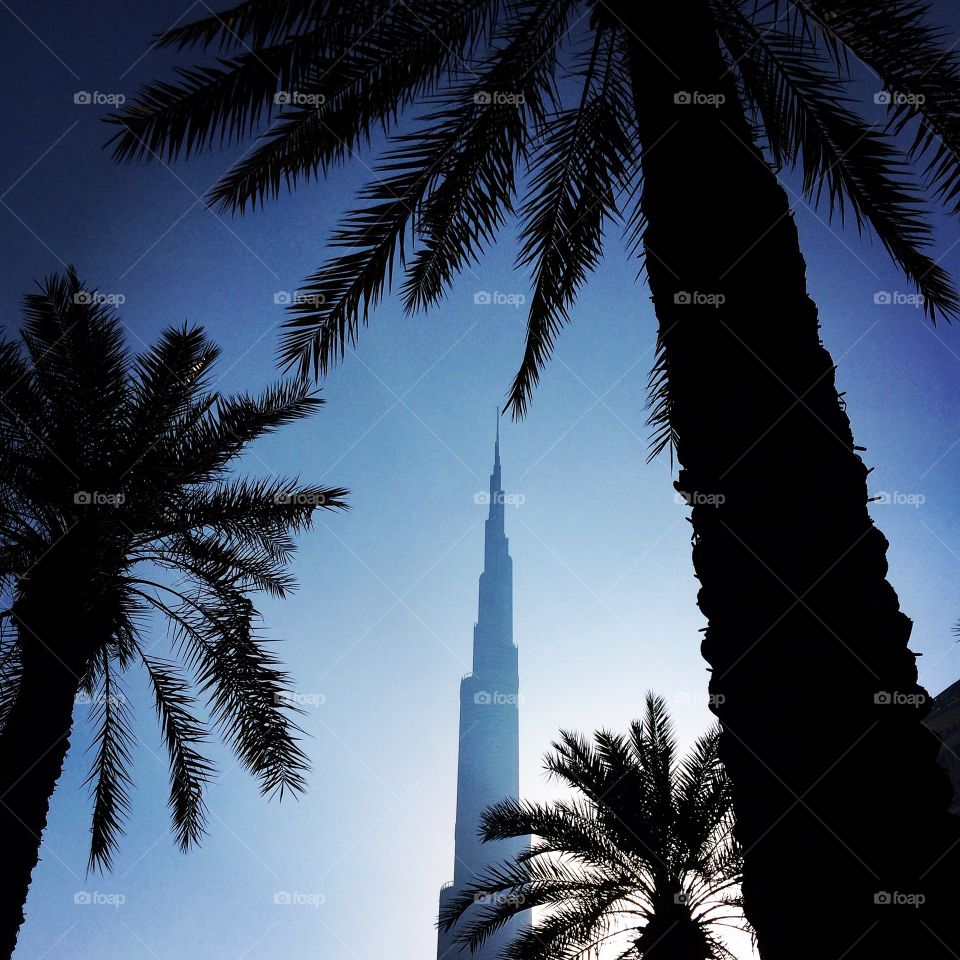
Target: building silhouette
x,y
489,755
944,720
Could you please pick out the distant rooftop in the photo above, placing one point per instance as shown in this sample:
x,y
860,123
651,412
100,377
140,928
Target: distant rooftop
x,y
945,700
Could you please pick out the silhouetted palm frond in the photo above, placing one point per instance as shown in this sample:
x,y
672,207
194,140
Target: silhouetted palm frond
x,y
445,185
643,852
800,101
116,503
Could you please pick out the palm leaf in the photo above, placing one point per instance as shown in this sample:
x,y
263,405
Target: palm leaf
x,y
109,773
844,161
584,156
182,733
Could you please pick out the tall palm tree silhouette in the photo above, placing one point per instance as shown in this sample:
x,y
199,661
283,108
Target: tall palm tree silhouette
x,y
115,504
640,861
674,117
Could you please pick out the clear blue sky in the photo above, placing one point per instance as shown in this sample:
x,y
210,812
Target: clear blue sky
x,y
380,629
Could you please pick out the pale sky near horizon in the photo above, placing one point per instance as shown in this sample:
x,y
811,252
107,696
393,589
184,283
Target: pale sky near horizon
x,y
379,632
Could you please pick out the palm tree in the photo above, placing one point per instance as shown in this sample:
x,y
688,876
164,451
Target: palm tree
x,y
115,505
644,859
674,118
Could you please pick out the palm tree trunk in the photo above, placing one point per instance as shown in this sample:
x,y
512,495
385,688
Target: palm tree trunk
x,y
32,750
839,801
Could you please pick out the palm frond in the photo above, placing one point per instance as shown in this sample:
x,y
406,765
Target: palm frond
x,y
844,162
163,529
202,451
249,695
391,62
663,434
110,772
585,155
10,668
507,96
254,23
168,376
190,771
920,70
213,105
263,512
337,299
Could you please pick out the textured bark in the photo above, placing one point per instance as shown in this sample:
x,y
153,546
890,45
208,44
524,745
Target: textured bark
x,y
32,750
839,800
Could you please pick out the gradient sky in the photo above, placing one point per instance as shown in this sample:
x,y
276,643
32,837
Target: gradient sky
x,y
379,633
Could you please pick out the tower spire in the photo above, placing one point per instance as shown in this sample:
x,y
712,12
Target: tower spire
x,y
489,756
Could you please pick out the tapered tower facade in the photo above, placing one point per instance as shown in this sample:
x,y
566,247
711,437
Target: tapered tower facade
x,y
489,757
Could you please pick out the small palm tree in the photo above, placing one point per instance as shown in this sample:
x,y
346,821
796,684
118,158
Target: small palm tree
x,y
643,859
671,120
115,504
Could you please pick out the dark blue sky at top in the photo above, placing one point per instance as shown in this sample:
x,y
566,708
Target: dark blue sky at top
x,y
379,632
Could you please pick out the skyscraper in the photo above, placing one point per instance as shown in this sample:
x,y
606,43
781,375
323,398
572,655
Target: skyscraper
x,y
489,758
